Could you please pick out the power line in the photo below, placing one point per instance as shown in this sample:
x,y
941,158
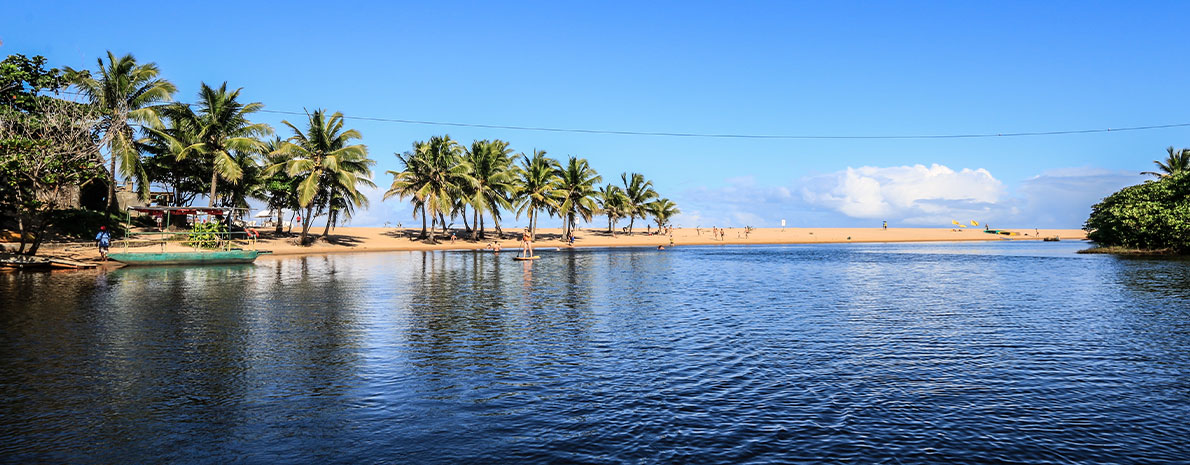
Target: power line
x,y
735,136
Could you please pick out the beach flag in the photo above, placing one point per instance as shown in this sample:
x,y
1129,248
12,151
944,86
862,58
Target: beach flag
x,y
974,223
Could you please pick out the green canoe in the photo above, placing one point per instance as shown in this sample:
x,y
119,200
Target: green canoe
x,y
185,258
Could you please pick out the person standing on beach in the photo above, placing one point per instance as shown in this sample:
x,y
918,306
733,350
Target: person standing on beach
x,y
104,241
885,226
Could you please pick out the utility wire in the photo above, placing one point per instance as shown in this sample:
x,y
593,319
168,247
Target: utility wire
x,y
734,136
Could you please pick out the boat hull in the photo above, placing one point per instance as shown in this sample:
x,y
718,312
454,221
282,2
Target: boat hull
x,y
185,258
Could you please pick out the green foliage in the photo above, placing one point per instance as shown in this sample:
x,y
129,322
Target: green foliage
x,y
23,78
1154,215
207,234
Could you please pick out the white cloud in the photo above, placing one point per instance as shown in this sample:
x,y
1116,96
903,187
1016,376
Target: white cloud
x,y
908,194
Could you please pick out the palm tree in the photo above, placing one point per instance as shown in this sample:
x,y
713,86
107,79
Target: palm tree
x,y
278,188
223,129
537,188
613,203
639,192
340,202
577,185
432,174
493,172
1177,161
324,161
662,210
127,94
165,165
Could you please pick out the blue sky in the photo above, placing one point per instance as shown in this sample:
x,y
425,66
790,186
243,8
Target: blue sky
x,y
793,68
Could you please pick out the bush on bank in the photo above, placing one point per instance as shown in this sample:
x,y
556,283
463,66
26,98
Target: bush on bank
x,y
1153,216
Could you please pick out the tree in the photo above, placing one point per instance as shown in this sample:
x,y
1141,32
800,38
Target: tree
x,y
537,188
325,163
22,80
613,203
662,210
639,192
494,175
1154,215
128,95
432,174
278,189
222,129
185,177
1177,161
576,184
46,153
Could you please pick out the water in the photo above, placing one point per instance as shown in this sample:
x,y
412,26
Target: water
x,y
999,352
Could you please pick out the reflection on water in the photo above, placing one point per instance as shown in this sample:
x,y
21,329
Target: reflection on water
x,y
1012,352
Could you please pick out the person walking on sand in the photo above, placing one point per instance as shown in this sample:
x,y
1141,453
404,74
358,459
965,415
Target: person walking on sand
x,y
104,241
885,226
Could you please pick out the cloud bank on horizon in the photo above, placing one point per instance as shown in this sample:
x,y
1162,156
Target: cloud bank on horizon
x,y
909,195
906,195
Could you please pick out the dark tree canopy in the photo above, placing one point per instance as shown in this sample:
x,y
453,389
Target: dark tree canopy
x,y
1152,216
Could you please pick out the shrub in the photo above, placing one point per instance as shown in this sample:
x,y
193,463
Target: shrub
x,y
1154,215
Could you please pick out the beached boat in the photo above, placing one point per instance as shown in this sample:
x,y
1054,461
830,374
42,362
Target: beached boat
x,y
186,258
25,262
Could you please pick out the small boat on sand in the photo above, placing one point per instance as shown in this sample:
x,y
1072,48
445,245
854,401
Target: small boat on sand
x,y
186,258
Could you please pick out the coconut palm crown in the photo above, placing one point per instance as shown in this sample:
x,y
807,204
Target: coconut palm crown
x,y
128,94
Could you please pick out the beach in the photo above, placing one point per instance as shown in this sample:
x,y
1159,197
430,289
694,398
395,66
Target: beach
x,y
364,239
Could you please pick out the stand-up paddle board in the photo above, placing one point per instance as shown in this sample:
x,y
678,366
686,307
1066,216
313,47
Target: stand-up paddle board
x,y
526,258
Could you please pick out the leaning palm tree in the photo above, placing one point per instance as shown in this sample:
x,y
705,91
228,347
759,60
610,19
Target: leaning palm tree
x,y
492,169
537,188
340,201
278,189
613,203
662,210
577,187
223,129
324,160
432,175
1177,161
127,94
639,192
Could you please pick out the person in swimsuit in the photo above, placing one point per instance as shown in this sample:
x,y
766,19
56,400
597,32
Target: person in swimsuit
x,y
526,244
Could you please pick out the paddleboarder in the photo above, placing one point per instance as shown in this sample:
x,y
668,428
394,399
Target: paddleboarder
x,y
526,244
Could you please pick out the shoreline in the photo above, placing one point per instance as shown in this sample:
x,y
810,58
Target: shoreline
x,y
367,240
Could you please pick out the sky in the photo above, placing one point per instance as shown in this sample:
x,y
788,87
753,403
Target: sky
x,y
746,68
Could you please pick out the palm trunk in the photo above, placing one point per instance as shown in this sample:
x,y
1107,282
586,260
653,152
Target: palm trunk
x,y
279,220
631,221
465,225
433,221
214,180
481,231
111,186
442,221
475,232
329,218
306,224
610,228
423,222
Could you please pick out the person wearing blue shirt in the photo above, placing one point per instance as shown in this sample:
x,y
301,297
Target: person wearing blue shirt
x,y
104,240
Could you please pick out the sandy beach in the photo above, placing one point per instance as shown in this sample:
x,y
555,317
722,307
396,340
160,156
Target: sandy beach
x,y
360,239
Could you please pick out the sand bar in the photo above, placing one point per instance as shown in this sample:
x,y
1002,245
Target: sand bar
x,y
360,239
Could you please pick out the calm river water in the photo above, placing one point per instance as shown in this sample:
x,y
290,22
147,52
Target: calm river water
x,y
999,352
